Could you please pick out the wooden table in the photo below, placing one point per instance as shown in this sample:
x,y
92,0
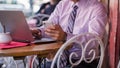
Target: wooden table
x,y
33,49
42,50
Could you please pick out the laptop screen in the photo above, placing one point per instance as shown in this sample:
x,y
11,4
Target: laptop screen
x,y
15,23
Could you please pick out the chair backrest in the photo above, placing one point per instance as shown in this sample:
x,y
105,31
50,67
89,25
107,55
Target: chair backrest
x,y
118,66
84,47
106,35
40,18
106,44
39,15
8,62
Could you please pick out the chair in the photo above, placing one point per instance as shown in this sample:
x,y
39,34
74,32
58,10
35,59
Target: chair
x,y
76,39
8,62
106,43
40,18
118,66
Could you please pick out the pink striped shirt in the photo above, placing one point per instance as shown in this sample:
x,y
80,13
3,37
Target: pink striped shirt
x,y
91,16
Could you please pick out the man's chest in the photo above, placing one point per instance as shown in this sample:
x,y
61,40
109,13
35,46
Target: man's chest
x,y
81,21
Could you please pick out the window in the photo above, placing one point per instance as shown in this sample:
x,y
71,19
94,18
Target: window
x,y
29,7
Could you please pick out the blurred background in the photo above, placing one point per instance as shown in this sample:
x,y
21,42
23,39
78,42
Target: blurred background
x,y
29,7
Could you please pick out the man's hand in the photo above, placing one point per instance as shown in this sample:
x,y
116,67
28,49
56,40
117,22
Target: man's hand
x,y
56,32
36,33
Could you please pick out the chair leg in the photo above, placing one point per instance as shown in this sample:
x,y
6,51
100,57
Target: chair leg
x,y
44,63
105,63
40,62
1,65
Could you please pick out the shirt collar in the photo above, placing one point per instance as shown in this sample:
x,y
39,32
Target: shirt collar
x,y
77,3
80,3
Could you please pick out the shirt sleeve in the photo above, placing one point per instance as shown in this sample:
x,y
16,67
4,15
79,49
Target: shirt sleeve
x,y
54,17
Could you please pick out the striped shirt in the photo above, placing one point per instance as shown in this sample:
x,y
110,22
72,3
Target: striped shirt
x,y
91,17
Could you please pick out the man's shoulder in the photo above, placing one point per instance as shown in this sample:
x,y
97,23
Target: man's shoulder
x,y
97,7
97,4
65,1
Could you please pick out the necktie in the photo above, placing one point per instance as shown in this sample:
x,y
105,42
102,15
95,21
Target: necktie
x,y
71,19
65,55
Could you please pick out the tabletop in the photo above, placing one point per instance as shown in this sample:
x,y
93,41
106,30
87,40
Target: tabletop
x,y
33,49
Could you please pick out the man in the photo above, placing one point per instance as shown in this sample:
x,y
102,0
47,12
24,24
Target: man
x,y
88,16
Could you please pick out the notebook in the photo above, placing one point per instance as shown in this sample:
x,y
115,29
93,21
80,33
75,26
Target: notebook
x,y
15,23
12,45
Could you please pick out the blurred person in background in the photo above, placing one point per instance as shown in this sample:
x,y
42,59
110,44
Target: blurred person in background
x,y
45,10
48,8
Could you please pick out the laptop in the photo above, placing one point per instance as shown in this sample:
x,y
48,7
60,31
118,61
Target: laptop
x,y
15,23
